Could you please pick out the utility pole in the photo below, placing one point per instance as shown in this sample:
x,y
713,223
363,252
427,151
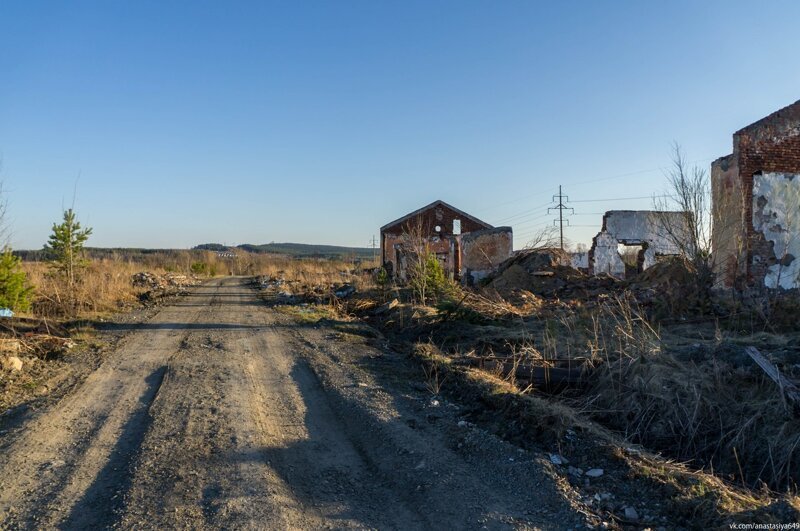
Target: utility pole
x,y
561,207
374,244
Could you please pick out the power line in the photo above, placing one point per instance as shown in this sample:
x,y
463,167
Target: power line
x,y
630,174
619,198
590,181
525,198
524,213
561,207
530,217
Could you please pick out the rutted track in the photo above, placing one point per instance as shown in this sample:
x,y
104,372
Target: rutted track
x,y
219,413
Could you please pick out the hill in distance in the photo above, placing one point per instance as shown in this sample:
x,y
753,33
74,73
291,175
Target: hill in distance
x,y
298,250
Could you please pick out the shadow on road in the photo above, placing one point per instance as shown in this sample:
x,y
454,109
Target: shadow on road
x,y
101,503
330,472
123,327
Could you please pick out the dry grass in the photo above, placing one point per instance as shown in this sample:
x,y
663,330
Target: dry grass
x,y
695,498
105,287
308,275
714,413
105,284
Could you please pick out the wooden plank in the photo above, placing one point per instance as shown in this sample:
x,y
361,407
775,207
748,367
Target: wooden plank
x,y
788,388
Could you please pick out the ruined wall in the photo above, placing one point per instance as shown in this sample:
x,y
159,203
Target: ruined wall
x,y
482,251
579,260
427,221
767,157
397,261
776,220
728,219
743,254
634,227
605,256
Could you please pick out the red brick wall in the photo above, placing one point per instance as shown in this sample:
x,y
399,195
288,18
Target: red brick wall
x,y
438,215
759,152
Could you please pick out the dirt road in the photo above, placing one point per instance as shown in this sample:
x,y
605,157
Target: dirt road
x,y
220,412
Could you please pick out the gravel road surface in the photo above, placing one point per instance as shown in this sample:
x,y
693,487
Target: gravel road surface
x,y
222,413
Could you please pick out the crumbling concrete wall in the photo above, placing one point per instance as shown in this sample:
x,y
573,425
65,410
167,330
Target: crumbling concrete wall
x,y
776,218
744,251
605,256
483,251
644,228
579,260
728,220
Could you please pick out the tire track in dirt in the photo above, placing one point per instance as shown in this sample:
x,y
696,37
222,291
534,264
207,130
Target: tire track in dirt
x,y
261,447
70,465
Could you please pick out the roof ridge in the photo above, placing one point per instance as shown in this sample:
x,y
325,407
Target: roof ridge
x,y
431,205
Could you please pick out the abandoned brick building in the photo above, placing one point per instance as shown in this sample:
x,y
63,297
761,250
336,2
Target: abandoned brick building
x,y
468,248
756,204
646,234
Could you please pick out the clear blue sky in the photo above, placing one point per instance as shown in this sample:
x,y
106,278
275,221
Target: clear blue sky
x,y
192,122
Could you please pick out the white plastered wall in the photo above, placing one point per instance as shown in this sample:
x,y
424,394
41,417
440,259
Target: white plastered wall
x,y
776,215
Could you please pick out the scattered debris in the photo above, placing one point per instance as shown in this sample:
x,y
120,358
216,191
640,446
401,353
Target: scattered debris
x,y
345,291
12,363
547,272
631,514
12,345
152,281
285,291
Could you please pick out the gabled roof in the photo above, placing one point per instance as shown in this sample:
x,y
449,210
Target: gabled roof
x,y
436,203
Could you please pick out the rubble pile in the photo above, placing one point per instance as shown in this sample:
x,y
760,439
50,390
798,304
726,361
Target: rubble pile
x,y
152,281
295,292
671,286
548,273
669,273
17,352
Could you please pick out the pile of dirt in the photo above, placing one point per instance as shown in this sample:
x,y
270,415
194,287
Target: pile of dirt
x,y
666,274
548,273
35,355
537,271
672,288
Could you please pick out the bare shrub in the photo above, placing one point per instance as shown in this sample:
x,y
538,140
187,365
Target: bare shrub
x,y
545,238
689,191
426,275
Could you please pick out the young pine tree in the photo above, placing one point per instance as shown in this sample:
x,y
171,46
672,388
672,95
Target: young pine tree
x,y
15,292
66,247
